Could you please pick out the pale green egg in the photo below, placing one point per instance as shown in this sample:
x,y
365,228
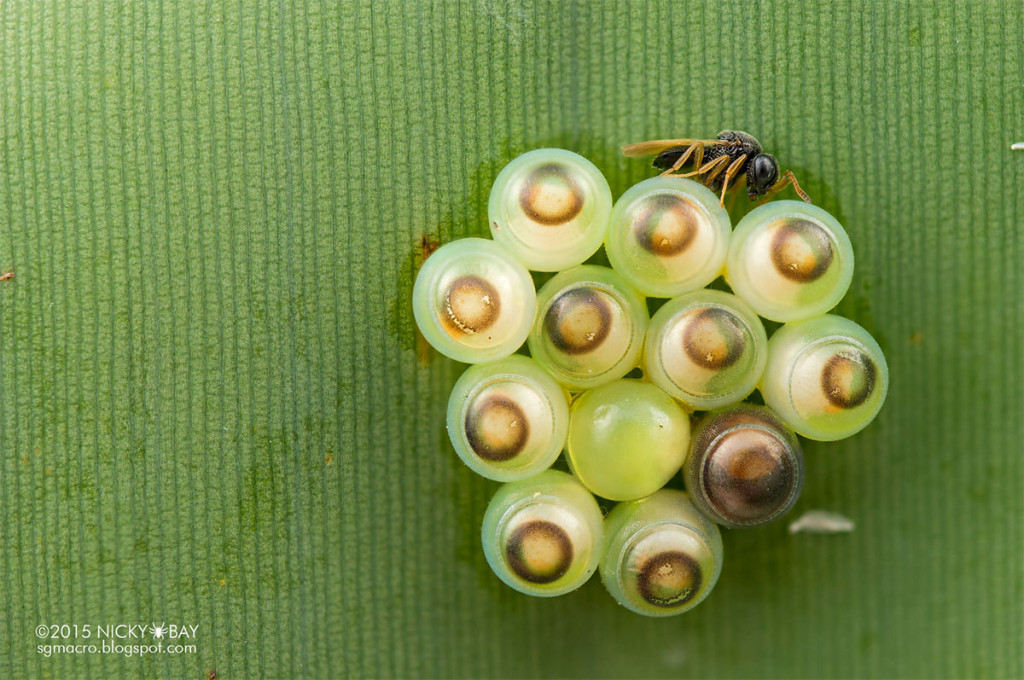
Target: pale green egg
x,y
589,328
508,420
668,236
549,208
745,467
662,557
790,260
626,439
826,377
707,349
473,302
543,535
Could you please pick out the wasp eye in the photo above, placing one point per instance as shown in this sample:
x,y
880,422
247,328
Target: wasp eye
x,y
764,170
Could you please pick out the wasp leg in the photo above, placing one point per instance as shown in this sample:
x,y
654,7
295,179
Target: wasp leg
x,y
685,156
787,178
730,172
711,169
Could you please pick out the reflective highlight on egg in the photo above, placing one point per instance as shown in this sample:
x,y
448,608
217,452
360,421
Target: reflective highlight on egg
x,y
662,557
543,535
550,208
745,467
668,236
589,328
826,377
707,349
473,302
626,439
509,419
790,260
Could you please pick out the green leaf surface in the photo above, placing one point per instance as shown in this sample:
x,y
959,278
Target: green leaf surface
x,y
213,407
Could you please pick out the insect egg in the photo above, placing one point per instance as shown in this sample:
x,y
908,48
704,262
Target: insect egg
x,y
543,535
589,328
826,377
707,349
745,467
508,420
549,208
662,557
626,439
473,302
668,236
790,260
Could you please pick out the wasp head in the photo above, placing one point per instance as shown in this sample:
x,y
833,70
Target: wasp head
x,y
762,171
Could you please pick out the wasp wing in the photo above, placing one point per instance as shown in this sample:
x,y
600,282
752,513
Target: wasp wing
x,y
659,145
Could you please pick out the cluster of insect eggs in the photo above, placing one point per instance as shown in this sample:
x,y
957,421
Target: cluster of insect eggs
x,y
510,416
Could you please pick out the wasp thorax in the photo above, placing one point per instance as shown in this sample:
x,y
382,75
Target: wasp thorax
x,y
712,337
497,428
801,250
472,305
539,552
666,225
550,195
848,378
669,579
579,320
745,467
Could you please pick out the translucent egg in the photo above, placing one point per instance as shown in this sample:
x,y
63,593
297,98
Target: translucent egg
x,y
508,420
745,467
589,328
707,349
662,557
626,439
826,377
543,535
668,236
790,260
473,302
549,208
